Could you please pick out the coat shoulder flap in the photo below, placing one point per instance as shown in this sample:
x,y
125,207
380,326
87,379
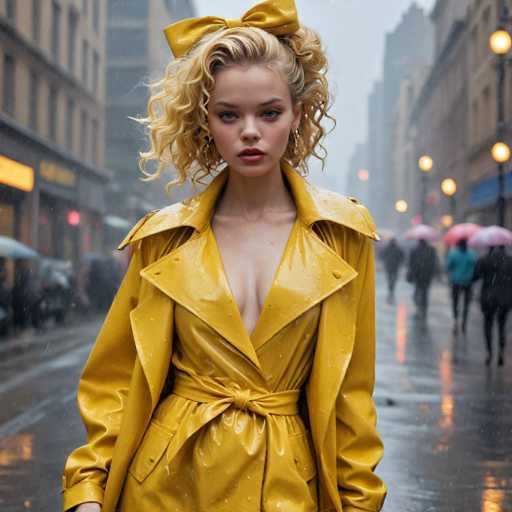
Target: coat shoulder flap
x,y
346,210
156,221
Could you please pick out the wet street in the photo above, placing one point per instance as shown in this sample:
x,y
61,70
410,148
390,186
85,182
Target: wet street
x,y
446,418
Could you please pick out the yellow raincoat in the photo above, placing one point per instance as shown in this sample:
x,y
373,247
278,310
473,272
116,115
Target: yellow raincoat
x,y
186,411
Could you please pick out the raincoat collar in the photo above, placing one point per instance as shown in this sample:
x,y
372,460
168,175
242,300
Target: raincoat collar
x,y
313,204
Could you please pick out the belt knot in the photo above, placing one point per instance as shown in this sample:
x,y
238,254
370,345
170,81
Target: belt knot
x,y
241,399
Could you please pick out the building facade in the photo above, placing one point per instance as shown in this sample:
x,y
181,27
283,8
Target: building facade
x,y
52,175
408,48
404,158
137,53
482,103
440,119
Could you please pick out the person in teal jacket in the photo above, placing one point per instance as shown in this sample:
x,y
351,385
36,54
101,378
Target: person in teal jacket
x,y
460,265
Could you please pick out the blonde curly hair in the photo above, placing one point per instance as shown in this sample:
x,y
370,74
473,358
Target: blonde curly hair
x,y
177,120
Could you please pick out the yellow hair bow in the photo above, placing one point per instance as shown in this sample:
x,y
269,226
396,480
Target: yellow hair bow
x,y
279,17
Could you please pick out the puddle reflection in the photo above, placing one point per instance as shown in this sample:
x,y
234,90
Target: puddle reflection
x,y
16,448
492,497
401,333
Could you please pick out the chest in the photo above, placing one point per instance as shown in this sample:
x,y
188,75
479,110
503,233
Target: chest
x,y
251,254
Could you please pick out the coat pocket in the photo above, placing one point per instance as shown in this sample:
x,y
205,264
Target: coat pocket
x,y
152,448
303,455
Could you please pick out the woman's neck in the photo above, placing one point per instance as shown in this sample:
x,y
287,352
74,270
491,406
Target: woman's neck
x,y
252,199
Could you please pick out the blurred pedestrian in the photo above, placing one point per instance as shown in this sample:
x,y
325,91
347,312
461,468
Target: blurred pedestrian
x,y
393,257
5,298
495,270
22,294
423,266
460,266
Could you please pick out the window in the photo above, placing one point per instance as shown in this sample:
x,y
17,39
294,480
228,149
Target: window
x,y
95,135
85,63
72,28
52,113
83,133
96,15
36,21
8,96
10,10
96,72
34,100
70,124
55,30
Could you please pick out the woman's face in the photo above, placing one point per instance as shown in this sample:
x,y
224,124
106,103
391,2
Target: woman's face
x,y
250,116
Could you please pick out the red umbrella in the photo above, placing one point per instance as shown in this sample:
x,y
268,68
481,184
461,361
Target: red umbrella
x,y
422,232
458,232
491,236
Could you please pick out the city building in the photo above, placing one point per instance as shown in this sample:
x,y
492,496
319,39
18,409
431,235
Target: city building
x,y
404,156
439,118
52,175
482,104
137,53
407,48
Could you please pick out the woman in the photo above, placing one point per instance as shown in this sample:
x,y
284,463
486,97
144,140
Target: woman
x,y
243,379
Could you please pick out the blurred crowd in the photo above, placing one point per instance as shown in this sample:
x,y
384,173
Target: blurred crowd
x,y
462,269
40,292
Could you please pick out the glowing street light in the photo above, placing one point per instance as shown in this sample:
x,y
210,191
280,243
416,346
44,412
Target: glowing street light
x,y
401,206
363,175
449,187
500,42
500,152
425,163
447,221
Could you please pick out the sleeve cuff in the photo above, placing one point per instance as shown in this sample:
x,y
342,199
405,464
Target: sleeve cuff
x,y
80,493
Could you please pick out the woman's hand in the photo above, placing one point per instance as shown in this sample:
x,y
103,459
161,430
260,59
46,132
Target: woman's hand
x,y
89,506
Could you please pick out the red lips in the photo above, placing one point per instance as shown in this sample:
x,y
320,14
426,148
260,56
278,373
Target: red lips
x,y
251,152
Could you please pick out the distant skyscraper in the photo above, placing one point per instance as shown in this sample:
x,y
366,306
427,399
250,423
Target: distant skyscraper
x,y
137,52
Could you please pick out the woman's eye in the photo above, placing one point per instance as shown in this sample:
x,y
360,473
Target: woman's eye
x,y
271,114
227,116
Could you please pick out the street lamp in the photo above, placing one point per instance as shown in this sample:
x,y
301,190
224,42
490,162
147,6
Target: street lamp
x,y
363,175
449,189
401,206
425,163
500,42
447,221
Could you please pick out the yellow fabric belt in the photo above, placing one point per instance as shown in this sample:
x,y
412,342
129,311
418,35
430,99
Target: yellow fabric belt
x,y
206,390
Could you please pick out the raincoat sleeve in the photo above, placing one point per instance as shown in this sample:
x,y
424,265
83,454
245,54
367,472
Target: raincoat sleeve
x,y
359,447
102,393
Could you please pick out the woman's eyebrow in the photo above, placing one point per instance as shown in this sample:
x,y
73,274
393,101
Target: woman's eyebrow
x,y
231,105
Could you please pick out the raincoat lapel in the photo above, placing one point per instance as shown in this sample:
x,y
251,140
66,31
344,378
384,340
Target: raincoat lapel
x,y
192,276
309,272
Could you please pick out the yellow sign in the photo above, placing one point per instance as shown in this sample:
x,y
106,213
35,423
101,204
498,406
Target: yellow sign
x,y
55,174
16,175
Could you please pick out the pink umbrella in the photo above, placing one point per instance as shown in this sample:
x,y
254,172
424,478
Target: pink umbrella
x,y
491,235
422,232
460,232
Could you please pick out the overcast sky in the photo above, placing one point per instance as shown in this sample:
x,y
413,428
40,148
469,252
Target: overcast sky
x,y
353,32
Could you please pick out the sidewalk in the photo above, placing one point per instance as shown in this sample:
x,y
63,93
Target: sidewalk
x,y
31,339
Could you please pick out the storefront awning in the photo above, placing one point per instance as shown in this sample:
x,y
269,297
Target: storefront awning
x,y
16,175
117,222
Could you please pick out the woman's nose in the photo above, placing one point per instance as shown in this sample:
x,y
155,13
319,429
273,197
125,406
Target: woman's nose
x,y
250,131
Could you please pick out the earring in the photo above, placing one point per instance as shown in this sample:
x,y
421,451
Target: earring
x,y
296,138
